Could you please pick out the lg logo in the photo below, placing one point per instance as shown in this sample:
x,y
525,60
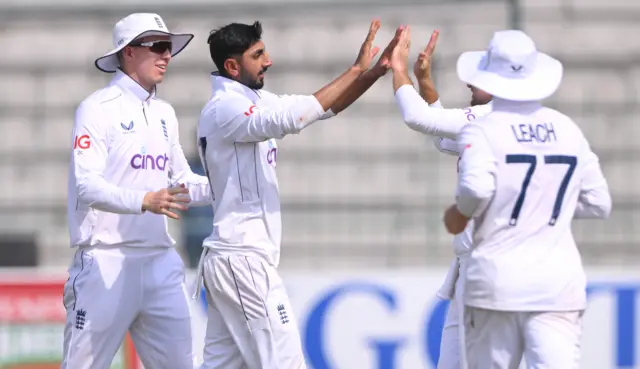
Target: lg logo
x,y
82,142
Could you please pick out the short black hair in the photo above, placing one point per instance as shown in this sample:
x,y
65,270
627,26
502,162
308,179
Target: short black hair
x,y
232,39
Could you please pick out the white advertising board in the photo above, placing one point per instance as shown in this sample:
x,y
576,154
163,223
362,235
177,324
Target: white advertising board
x,y
365,320
392,319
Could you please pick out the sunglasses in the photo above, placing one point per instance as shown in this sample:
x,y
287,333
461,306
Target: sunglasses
x,y
158,47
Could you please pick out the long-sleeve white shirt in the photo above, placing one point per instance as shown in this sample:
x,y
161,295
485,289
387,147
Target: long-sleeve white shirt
x,y
433,119
237,132
455,118
524,170
419,116
125,144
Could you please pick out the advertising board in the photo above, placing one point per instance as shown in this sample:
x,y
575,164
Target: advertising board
x,y
365,319
32,321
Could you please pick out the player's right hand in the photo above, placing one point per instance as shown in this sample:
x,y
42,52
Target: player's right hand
x,y
367,50
400,53
384,64
422,67
166,201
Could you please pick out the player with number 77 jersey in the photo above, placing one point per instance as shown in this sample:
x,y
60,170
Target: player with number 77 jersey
x,y
526,171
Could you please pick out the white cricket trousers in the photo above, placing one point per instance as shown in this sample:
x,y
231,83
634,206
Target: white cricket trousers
x,y
114,290
452,346
501,339
250,321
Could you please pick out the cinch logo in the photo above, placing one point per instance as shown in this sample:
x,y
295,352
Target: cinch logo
x,y
469,114
272,154
140,161
82,142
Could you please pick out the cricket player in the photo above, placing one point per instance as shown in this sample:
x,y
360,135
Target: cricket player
x,y
250,320
127,174
450,122
526,171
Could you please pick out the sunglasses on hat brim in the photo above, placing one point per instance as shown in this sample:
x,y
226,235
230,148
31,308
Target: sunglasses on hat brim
x,y
158,47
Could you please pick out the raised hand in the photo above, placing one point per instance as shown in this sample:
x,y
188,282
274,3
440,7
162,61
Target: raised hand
x,y
367,50
384,62
400,53
422,66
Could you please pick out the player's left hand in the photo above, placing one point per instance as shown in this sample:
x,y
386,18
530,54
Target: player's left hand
x,y
422,66
384,62
454,220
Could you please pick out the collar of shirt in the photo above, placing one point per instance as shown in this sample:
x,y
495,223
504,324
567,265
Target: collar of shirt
x,y
514,106
220,83
132,87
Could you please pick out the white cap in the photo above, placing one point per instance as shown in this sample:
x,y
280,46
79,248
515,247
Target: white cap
x,y
511,68
136,26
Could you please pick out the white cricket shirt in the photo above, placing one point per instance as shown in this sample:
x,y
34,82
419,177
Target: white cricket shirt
x,y
525,172
125,144
453,118
427,119
237,132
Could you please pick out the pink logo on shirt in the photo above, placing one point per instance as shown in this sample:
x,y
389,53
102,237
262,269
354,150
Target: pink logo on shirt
x,y
150,162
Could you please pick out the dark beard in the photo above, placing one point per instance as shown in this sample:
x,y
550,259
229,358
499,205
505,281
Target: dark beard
x,y
253,84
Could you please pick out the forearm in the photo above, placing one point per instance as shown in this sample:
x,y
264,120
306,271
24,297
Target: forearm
x,y
467,203
97,193
418,116
596,205
199,190
476,188
357,89
330,94
589,211
428,91
400,78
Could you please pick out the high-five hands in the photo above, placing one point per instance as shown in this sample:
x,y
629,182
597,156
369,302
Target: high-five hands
x,y
367,50
400,53
384,62
422,66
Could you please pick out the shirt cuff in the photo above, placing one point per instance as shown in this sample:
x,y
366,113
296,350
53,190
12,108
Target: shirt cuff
x,y
405,90
136,201
408,99
436,105
317,107
466,206
310,111
328,114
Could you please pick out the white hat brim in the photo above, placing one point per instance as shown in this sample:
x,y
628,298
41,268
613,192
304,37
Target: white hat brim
x,y
109,62
540,84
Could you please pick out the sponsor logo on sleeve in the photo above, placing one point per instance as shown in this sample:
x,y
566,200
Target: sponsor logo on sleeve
x,y
82,142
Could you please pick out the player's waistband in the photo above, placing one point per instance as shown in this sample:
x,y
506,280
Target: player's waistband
x,y
127,250
214,251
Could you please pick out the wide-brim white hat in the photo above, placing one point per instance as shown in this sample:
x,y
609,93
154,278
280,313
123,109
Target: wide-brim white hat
x,y
511,68
136,26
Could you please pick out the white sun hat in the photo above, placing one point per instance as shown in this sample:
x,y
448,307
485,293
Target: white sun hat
x,y
511,68
135,26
